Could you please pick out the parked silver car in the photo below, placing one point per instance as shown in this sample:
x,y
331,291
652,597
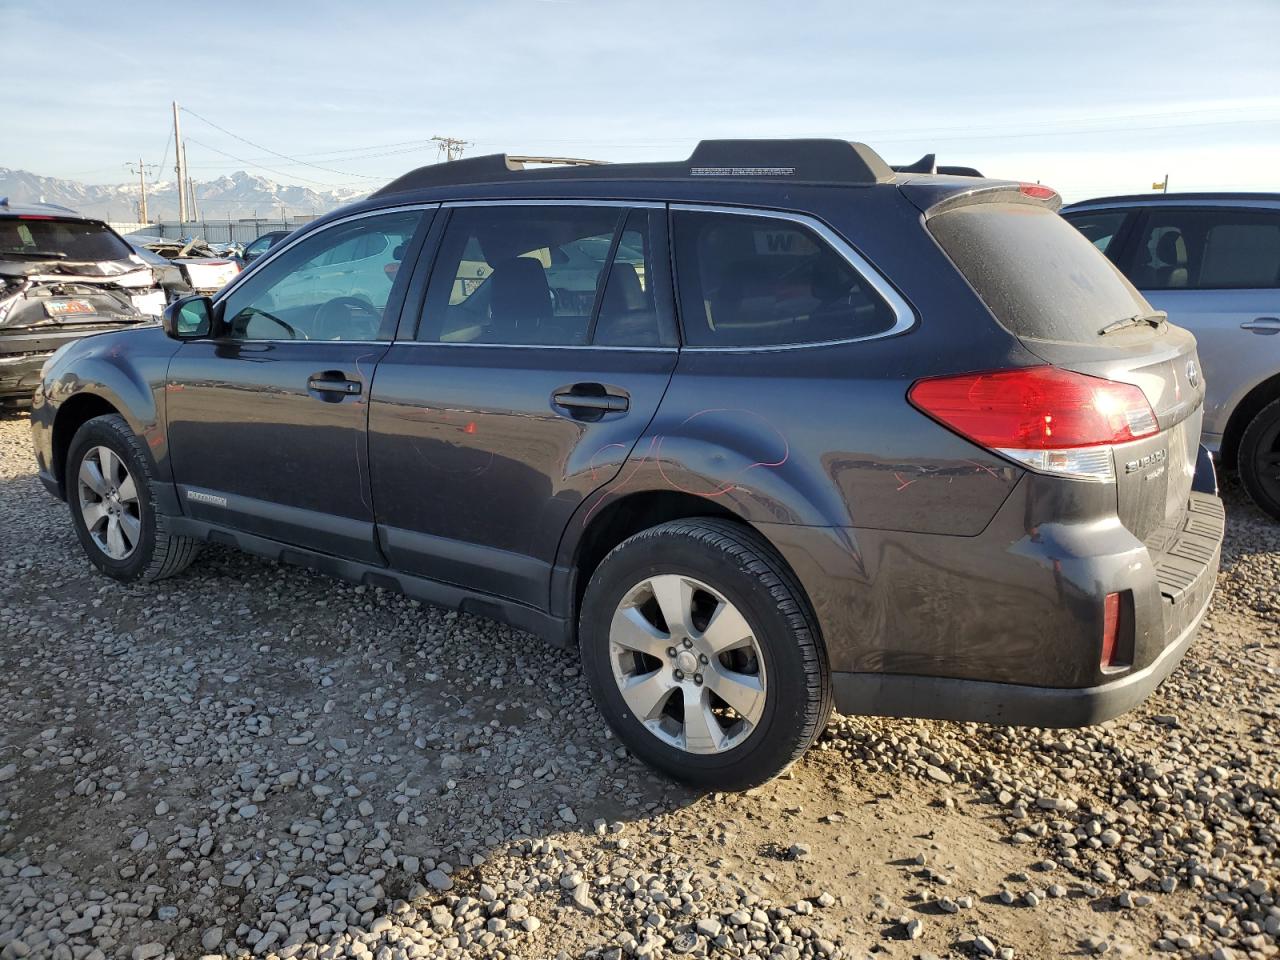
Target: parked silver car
x,y
1212,262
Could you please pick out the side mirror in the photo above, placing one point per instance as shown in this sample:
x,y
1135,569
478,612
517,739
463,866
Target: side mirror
x,y
190,318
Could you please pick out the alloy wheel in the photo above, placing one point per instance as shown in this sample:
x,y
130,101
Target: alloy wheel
x,y
688,664
108,498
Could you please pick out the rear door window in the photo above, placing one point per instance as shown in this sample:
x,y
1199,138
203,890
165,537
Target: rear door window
x,y
1039,276
751,281
544,275
1183,248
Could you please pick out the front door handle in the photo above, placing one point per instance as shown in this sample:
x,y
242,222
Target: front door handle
x,y
1267,326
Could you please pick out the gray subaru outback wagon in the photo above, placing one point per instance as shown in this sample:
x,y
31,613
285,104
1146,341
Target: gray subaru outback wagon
x,y
759,433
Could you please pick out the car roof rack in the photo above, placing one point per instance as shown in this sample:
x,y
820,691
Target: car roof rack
x,y
560,161
791,161
929,164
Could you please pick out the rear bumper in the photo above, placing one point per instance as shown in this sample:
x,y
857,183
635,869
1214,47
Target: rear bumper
x,y
1006,626
1010,704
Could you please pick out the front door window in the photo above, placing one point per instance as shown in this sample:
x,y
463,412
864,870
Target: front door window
x,y
333,285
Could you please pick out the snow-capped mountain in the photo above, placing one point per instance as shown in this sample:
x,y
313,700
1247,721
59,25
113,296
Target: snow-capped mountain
x,y
234,197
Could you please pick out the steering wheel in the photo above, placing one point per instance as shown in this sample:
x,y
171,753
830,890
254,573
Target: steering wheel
x,y
347,318
249,314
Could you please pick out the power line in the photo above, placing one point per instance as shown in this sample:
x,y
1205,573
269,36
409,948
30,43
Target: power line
x,y
428,145
279,173
167,141
283,156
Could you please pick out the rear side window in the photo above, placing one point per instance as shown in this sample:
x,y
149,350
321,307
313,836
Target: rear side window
x,y
748,281
1220,249
1039,276
72,239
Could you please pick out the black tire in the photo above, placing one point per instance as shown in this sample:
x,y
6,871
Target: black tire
x,y
738,563
157,553
1258,459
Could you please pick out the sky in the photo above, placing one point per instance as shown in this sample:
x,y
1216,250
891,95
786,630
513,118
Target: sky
x,y
1089,96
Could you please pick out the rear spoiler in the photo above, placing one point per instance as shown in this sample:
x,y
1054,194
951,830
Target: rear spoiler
x,y
934,196
929,164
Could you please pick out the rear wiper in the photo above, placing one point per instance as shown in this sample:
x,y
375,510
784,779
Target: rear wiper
x,y
33,254
1157,319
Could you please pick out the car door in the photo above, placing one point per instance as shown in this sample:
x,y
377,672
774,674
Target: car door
x,y
544,344
1215,271
267,419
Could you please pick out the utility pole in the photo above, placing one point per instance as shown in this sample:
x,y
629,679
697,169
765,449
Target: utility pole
x,y
191,199
450,148
142,184
181,168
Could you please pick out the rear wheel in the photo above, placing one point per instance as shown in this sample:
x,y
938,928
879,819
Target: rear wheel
x,y
108,485
703,655
1258,459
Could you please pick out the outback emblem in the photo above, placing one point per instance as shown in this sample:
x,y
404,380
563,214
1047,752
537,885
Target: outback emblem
x,y
1157,456
1193,373
199,497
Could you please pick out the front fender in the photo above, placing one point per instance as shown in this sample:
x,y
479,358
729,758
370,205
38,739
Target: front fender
x,y
126,370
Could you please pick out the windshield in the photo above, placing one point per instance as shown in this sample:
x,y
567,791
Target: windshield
x,y
60,239
1039,275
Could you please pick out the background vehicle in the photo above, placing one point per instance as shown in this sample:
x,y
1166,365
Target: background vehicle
x,y
62,277
167,273
761,432
1212,262
260,245
203,270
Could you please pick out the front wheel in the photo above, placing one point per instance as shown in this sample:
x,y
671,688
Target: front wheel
x,y
108,485
703,654
1258,459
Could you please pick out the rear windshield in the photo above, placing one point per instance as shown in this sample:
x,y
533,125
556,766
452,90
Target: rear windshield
x,y
1040,276
73,239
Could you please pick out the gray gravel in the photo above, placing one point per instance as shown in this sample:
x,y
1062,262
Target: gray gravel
x,y
254,761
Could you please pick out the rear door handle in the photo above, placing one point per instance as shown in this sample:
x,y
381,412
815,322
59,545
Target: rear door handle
x,y
1267,326
329,382
589,402
586,401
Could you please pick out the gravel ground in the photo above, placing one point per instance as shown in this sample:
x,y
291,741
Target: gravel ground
x,y
253,760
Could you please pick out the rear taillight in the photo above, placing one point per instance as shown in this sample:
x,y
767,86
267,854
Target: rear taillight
x,y
1052,420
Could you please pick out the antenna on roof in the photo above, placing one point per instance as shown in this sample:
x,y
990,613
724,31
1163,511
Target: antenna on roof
x,y
926,164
